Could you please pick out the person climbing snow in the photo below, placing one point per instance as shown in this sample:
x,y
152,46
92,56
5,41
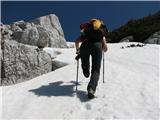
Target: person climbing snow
x,y
93,37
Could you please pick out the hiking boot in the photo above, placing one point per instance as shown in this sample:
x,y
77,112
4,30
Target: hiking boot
x,y
86,72
91,93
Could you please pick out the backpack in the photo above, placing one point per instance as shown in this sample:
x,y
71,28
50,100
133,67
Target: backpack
x,y
94,30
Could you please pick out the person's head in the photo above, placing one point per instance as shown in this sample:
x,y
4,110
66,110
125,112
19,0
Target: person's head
x,y
84,25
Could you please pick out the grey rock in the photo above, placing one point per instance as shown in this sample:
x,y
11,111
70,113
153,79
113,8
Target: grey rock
x,y
23,25
28,25
19,22
40,32
153,39
49,22
28,35
43,37
5,32
54,38
127,39
23,62
53,27
17,36
33,36
62,42
15,28
36,36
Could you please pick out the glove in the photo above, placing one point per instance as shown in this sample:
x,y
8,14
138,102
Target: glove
x,y
77,57
104,48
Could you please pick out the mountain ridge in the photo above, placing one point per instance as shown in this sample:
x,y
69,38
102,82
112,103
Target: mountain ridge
x,y
140,29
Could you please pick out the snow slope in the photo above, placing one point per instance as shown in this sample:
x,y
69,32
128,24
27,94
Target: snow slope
x,y
130,90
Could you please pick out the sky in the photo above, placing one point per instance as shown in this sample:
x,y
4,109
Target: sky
x,y
72,13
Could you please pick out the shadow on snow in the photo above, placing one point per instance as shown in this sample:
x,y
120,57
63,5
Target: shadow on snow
x,y
58,89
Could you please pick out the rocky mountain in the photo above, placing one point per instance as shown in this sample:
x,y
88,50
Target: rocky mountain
x,y
140,30
22,43
41,32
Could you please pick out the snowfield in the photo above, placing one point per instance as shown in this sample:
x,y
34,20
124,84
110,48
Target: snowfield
x,y
130,91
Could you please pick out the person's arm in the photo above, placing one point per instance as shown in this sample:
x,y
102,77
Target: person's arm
x,y
104,44
78,40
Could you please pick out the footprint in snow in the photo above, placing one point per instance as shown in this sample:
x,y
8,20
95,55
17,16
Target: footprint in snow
x,y
71,112
88,106
66,116
104,96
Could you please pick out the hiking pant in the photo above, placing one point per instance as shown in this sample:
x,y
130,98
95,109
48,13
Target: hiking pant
x,y
95,50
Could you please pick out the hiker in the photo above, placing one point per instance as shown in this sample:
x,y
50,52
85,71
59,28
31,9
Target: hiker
x,y
93,38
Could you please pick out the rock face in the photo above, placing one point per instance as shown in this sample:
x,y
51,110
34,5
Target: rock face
x,y
36,36
21,62
41,32
53,27
21,51
154,39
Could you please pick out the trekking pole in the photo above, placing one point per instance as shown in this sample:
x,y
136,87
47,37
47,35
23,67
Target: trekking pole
x,y
103,66
77,74
77,58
